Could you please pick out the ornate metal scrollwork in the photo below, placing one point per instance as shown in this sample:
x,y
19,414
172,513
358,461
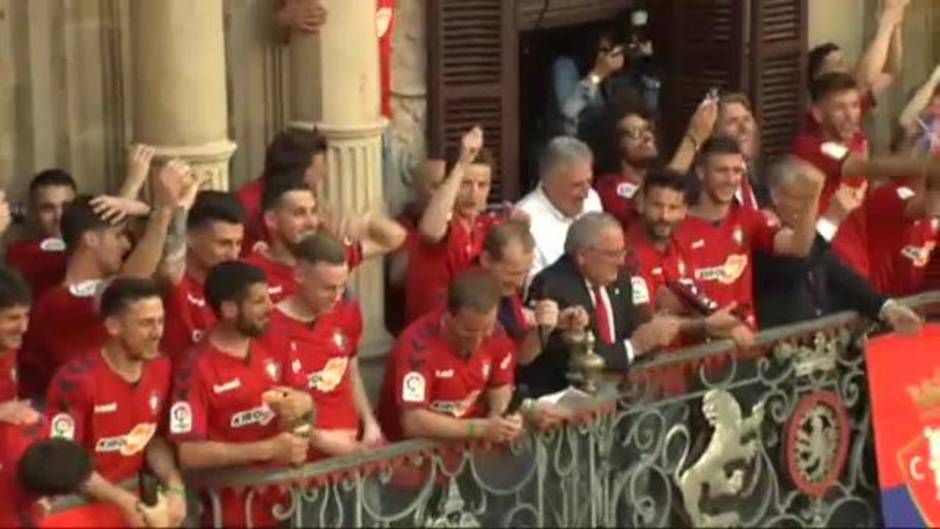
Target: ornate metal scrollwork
x,y
452,512
817,443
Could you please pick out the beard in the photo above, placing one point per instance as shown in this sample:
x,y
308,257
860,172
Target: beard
x,y
253,329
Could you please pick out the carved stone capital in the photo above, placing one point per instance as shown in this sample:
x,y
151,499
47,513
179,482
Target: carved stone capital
x,y
341,132
208,160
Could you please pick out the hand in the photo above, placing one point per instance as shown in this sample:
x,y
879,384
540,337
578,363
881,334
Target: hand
x,y
573,319
290,404
892,13
168,188
502,429
176,508
546,415
138,162
5,216
192,187
287,448
901,319
116,209
18,412
470,144
372,435
608,62
157,515
702,122
659,332
844,201
743,336
130,508
722,321
546,313
306,16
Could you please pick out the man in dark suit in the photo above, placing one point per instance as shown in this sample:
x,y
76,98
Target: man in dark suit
x,y
591,275
791,290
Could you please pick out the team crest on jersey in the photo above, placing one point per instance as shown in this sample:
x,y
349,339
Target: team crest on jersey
x,y
198,334
295,366
154,403
340,339
328,378
738,235
641,293
726,273
273,370
485,369
62,426
181,418
682,269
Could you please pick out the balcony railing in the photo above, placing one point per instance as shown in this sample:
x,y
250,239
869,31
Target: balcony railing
x,y
706,436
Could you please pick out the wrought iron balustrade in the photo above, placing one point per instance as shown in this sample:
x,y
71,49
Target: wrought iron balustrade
x,y
707,436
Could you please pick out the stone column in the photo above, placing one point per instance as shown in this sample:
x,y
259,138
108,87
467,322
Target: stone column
x,y
180,103
335,88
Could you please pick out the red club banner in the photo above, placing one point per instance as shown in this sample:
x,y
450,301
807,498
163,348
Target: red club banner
x,y
904,381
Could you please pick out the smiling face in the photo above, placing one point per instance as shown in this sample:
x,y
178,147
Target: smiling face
x,y
721,176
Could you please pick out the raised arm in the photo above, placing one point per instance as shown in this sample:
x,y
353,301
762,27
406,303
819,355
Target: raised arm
x,y
434,221
870,71
700,129
919,101
138,167
145,258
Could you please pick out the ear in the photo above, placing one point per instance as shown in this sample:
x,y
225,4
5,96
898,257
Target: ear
x,y
112,325
229,310
91,238
700,171
816,112
269,221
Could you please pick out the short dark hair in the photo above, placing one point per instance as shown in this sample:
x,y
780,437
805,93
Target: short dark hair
x,y
51,178
321,248
831,83
14,292
285,181
214,206
816,57
629,105
717,145
293,148
126,290
230,281
79,218
501,235
54,467
665,178
452,156
474,289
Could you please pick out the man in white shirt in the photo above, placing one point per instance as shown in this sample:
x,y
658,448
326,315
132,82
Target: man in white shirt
x,y
564,194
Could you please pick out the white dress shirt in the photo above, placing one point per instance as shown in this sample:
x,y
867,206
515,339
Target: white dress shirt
x,y
549,226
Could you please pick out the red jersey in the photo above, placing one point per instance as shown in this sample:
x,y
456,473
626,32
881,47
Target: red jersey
x,y
250,197
617,194
17,507
282,278
63,325
720,254
850,242
42,263
112,418
654,267
8,377
899,248
432,266
425,372
188,317
217,397
324,350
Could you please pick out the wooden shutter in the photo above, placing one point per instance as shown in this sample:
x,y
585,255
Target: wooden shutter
x,y
473,78
778,70
705,51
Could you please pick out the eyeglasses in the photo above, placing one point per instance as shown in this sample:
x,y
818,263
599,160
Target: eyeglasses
x,y
635,134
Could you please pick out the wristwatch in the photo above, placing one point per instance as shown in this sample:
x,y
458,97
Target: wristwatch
x,y
595,79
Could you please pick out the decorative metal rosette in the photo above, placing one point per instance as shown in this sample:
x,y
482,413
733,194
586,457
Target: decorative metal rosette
x,y
817,442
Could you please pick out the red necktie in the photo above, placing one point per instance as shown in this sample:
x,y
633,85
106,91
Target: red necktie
x,y
604,327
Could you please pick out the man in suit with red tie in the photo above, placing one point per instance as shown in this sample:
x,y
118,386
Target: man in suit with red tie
x,y
590,274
